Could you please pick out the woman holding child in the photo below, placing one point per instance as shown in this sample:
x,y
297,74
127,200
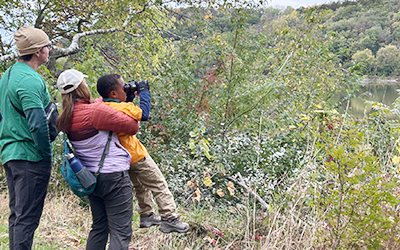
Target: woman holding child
x,y
87,124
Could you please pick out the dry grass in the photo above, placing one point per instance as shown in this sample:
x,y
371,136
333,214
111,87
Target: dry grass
x,y
65,225
66,222
289,224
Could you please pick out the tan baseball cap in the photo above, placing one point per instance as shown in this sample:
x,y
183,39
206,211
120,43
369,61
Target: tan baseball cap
x,y
30,40
69,80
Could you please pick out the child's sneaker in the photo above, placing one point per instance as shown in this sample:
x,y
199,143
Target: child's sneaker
x,y
148,221
174,225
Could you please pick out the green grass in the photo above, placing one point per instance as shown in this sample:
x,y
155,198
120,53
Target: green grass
x,y
3,233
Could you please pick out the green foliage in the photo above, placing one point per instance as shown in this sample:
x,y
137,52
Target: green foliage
x,y
356,181
361,26
389,59
233,102
366,60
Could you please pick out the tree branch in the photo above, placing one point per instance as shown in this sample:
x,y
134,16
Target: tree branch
x,y
74,46
128,19
283,65
40,17
241,183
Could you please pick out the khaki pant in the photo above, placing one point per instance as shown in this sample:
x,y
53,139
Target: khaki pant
x,y
150,183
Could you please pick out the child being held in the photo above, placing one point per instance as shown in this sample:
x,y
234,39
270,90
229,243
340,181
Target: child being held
x,y
144,173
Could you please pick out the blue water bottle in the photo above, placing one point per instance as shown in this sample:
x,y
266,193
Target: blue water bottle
x,y
85,177
75,163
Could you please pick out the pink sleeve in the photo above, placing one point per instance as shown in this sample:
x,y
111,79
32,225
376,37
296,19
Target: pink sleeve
x,y
100,99
106,118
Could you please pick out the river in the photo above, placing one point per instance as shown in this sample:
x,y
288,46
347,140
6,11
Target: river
x,y
377,90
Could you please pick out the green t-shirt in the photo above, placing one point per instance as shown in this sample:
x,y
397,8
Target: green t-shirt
x,y
27,90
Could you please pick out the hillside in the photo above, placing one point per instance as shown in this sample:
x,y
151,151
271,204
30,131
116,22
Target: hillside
x,y
366,34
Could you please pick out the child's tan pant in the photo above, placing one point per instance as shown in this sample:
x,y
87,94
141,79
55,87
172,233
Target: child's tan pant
x,y
150,183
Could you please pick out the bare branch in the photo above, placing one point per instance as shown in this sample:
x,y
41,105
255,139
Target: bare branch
x,y
128,19
241,183
74,46
174,35
132,34
80,22
40,16
1,46
256,104
109,59
283,65
168,32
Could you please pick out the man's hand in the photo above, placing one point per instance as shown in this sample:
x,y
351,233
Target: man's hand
x,y
143,86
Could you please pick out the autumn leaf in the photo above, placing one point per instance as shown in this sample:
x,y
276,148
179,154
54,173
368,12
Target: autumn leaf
x,y
207,181
231,188
198,195
305,118
220,193
190,184
396,160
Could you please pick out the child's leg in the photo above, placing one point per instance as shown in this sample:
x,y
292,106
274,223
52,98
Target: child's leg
x,y
150,177
143,195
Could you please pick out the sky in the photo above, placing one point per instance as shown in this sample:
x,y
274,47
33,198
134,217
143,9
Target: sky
x,y
296,3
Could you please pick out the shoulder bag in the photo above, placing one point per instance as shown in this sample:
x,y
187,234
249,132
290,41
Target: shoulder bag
x,y
81,181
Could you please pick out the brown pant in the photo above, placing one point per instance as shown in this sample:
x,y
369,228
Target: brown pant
x,y
149,182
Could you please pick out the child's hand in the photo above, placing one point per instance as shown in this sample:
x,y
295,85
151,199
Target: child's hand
x,y
143,86
130,96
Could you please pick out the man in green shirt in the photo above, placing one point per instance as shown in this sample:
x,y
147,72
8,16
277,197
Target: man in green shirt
x,y
24,135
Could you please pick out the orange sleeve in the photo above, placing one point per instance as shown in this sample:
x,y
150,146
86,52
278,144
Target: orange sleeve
x,y
128,108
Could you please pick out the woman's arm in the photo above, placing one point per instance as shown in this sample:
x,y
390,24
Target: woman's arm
x,y
106,118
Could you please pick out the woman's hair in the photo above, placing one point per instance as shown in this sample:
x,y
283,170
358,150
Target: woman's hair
x,y
81,93
107,83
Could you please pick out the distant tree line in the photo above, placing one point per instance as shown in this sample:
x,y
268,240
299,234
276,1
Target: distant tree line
x,y
365,34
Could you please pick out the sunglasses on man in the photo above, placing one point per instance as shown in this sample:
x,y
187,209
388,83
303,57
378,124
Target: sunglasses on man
x,y
48,46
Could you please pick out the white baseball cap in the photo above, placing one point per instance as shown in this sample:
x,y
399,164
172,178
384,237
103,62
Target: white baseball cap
x,y
69,80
